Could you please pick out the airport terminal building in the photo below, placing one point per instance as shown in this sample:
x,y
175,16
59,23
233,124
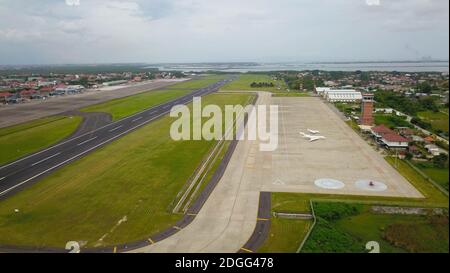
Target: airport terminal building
x,y
339,95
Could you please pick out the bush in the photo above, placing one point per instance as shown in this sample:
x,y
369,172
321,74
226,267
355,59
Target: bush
x,y
336,211
325,238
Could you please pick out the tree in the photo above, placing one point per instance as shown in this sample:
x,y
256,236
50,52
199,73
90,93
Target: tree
x,y
440,161
429,104
425,87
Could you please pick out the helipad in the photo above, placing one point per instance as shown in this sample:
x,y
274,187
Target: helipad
x,y
327,183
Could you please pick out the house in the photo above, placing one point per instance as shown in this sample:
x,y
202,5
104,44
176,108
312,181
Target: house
x,y
429,139
4,96
395,141
45,91
405,131
15,98
380,130
416,138
434,150
388,138
27,94
414,150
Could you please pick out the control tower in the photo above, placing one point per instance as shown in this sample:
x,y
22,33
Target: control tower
x,y
367,109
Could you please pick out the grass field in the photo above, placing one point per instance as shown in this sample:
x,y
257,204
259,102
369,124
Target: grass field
x,y
438,120
245,80
299,203
391,121
394,233
422,232
285,244
439,175
20,140
123,107
138,178
198,83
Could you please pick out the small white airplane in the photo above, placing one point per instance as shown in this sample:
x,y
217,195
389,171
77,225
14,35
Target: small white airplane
x,y
313,131
312,138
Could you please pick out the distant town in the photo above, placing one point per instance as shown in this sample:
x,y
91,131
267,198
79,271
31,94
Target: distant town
x,y
27,86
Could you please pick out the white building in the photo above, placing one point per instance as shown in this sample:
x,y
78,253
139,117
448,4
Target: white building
x,y
344,95
70,89
321,90
434,150
339,95
384,110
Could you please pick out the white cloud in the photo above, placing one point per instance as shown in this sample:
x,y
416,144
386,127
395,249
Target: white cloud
x,y
73,2
373,2
216,30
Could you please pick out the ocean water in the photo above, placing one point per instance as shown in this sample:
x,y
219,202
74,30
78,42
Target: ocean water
x,y
442,66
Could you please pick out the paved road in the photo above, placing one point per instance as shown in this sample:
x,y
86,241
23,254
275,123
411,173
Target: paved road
x,y
19,113
28,170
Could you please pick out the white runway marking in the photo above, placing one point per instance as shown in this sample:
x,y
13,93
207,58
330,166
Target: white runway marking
x,y
45,159
84,142
2,178
136,119
118,127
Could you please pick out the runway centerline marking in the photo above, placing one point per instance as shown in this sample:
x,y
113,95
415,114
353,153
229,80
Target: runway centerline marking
x,y
118,127
2,178
45,159
84,142
136,119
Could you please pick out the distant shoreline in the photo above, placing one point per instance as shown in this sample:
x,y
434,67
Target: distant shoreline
x,y
440,66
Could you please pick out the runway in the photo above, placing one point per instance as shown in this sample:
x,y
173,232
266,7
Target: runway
x,y
24,112
28,170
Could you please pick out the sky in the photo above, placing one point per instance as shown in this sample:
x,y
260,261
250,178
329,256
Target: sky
x,y
172,31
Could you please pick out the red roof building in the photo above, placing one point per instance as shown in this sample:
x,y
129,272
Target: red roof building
x,y
394,138
429,139
27,93
46,89
380,130
389,138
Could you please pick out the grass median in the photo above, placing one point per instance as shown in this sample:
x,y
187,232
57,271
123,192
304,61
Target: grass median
x,y
123,107
243,83
23,139
198,83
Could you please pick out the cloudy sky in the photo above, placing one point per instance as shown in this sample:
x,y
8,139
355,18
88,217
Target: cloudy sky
x,y
104,31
